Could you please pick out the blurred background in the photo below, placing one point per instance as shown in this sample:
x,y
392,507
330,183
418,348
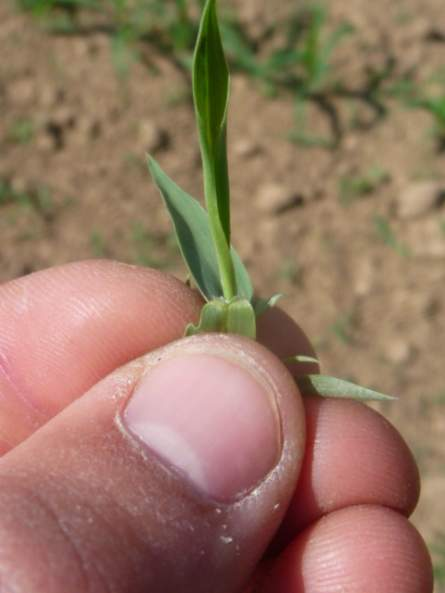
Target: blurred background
x,y
337,155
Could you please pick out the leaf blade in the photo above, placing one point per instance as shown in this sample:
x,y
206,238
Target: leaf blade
x,y
243,281
262,305
301,359
338,388
191,225
211,95
210,81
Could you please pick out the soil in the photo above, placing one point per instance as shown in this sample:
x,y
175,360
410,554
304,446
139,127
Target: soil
x,y
365,282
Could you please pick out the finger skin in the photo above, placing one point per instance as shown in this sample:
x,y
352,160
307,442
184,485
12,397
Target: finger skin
x,y
65,328
84,508
354,456
281,334
362,549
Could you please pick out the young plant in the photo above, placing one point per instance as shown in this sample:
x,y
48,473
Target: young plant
x,y
204,235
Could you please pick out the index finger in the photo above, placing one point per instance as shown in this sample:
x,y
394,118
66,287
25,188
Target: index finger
x,y
65,328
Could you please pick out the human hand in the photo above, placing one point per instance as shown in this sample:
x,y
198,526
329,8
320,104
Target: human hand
x,y
87,506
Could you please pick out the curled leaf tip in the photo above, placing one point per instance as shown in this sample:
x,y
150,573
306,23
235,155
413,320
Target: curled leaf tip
x,y
262,305
301,358
338,388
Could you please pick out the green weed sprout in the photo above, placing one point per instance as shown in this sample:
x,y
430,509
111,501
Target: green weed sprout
x,y
203,235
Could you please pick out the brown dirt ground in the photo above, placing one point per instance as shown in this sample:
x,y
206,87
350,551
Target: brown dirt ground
x,y
374,315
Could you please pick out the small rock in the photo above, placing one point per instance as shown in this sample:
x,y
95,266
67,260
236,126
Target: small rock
x,y
62,117
399,352
245,149
420,198
87,129
276,198
152,137
351,142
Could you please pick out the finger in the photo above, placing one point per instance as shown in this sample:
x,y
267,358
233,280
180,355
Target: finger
x,y
279,332
172,474
65,328
353,457
359,549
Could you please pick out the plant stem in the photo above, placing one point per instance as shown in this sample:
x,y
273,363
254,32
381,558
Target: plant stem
x,y
222,248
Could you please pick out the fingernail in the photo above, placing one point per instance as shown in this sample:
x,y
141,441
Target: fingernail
x,y
210,419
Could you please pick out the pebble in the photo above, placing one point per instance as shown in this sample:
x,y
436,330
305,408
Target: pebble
x,y
399,352
87,129
419,198
152,137
64,117
274,198
246,149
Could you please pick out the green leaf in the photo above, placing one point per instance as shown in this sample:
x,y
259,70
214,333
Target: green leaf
x,y
213,319
243,281
211,97
338,388
236,317
241,319
261,305
300,358
191,223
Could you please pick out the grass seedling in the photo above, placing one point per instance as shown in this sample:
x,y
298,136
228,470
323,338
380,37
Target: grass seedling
x,y
387,235
21,131
8,195
353,187
343,328
428,98
98,244
435,106
204,236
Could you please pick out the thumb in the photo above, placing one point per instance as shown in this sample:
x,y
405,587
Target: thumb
x,y
172,474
